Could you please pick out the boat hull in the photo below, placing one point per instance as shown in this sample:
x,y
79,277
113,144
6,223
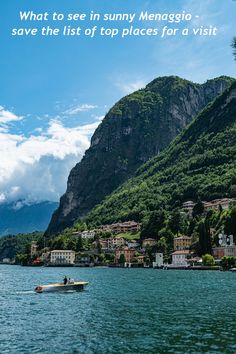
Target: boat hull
x,y
76,286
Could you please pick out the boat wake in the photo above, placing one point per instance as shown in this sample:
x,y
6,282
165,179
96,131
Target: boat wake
x,y
25,292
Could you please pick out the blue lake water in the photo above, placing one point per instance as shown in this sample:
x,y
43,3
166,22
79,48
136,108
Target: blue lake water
x,y
121,311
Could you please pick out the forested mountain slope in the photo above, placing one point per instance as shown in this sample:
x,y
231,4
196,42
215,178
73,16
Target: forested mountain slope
x,y
199,163
137,128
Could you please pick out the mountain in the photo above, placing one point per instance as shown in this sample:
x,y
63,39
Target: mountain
x,y
20,217
137,128
199,163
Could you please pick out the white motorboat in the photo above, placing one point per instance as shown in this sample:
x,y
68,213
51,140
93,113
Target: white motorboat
x,y
77,285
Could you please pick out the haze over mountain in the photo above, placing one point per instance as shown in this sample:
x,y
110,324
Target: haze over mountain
x,y
21,217
137,128
199,163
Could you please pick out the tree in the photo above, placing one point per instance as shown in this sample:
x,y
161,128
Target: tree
x,y
154,225
208,260
228,262
79,244
204,237
230,222
198,208
122,259
176,222
162,245
232,191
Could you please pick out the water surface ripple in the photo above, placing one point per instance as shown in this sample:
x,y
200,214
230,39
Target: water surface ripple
x,y
122,311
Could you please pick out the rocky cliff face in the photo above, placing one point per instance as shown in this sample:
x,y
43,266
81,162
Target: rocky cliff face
x,y
199,164
138,127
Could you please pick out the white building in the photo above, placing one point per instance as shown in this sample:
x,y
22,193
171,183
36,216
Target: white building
x,y
230,251
6,261
189,205
45,256
133,244
158,261
116,242
62,257
33,248
215,204
179,258
87,234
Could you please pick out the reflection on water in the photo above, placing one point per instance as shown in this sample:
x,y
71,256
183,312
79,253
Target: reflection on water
x,y
121,311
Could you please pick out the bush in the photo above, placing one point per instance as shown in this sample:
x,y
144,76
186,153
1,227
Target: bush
x,y
228,262
208,260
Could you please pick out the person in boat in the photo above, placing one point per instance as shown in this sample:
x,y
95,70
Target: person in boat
x,y
65,281
71,281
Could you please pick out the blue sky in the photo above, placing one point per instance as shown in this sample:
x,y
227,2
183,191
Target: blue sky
x,y
56,90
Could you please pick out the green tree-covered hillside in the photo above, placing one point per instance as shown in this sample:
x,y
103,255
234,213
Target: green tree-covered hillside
x,y
199,164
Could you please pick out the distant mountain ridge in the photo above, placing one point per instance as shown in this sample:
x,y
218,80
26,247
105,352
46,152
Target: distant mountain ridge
x,y
22,217
199,164
137,128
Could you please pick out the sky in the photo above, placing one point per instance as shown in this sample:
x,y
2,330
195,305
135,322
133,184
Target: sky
x,y
55,91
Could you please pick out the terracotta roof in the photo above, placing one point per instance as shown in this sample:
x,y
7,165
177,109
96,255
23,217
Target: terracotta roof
x,y
181,252
183,238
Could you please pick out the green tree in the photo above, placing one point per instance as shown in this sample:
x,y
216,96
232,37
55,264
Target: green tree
x,y
232,191
228,262
230,222
205,246
79,244
162,245
198,209
176,222
101,257
122,259
208,260
155,223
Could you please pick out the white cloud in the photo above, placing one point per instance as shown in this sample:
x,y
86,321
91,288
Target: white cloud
x,y
2,197
79,108
127,87
36,167
7,117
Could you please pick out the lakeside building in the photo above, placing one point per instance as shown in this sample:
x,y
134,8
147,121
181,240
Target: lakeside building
x,y
127,226
179,258
45,257
158,260
149,242
129,254
33,248
103,244
133,244
62,257
116,242
227,251
182,243
87,234
6,261
84,260
189,205
140,259
215,204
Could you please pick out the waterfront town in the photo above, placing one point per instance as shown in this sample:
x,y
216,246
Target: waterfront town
x,y
120,245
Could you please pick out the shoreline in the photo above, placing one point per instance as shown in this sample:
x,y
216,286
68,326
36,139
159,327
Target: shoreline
x,y
195,268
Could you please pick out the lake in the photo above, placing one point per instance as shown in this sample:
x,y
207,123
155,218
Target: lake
x,y
121,311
